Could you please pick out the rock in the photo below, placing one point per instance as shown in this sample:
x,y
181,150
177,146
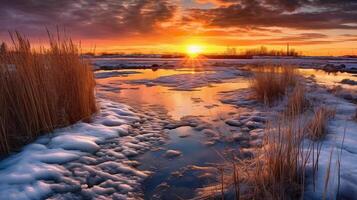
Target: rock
x,y
232,122
172,153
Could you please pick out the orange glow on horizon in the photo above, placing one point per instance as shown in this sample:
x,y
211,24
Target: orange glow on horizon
x,y
194,50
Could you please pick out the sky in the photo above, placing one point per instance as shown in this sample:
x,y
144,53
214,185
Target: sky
x,y
313,27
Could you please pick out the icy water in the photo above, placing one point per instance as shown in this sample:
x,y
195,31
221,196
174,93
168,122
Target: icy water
x,y
172,178
330,79
202,101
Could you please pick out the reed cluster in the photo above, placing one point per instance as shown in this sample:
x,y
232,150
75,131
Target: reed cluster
x,y
42,89
277,171
270,83
297,102
317,128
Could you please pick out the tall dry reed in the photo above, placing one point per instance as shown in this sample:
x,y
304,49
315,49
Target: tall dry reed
x,y
42,89
317,128
270,83
297,102
277,171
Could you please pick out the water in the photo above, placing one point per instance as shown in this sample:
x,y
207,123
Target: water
x,y
172,178
204,104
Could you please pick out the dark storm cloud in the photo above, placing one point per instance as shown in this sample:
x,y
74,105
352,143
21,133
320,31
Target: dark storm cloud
x,y
300,14
86,18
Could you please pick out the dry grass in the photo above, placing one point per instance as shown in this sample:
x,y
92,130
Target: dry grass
x,y
270,83
42,90
279,171
297,102
276,172
317,128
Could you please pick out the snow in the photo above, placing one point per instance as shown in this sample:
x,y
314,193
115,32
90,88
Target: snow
x,y
192,81
306,62
94,160
341,141
73,142
107,74
88,160
172,153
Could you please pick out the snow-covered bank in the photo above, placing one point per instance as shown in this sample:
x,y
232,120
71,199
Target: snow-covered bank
x,y
338,157
85,160
335,177
192,81
147,63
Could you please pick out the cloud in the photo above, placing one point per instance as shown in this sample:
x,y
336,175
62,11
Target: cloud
x,y
298,14
86,18
220,22
295,40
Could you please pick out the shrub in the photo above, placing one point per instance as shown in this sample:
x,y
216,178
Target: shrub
x,y
42,89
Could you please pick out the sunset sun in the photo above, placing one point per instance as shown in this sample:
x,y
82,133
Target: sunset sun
x,y
193,50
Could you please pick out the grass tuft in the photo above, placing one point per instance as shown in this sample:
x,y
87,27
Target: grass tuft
x,y
279,171
42,89
270,83
317,128
297,102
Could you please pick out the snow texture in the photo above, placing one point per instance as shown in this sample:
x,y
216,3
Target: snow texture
x,y
85,160
192,81
341,145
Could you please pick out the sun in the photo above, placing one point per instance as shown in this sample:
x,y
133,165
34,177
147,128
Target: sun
x,y
194,50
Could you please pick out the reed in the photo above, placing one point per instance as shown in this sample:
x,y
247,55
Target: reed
x,y
277,171
297,102
317,128
270,83
42,89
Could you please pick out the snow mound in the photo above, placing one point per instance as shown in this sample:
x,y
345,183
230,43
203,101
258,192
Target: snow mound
x,y
83,161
